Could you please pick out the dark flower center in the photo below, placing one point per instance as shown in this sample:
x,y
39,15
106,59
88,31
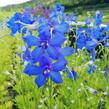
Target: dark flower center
x,y
44,44
47,70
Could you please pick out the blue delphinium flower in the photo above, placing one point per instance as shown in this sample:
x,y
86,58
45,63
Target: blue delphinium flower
x,y
19,22
52,47
13,24
42,46
98,18
58,11
46,69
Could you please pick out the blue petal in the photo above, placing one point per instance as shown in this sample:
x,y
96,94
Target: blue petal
x,y
74,74
31,40
59,65
56,77
36,54
81,42
27,55
24,30
32,70
58,39
17,16
52,52
14,30
40,80
91,44
71,74
93,54
67,51
44,32
63,27
45,60
45,35
15,27
43,27
26,19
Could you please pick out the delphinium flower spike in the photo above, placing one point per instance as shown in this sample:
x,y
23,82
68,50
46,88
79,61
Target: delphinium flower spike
x,y
45,53
48,48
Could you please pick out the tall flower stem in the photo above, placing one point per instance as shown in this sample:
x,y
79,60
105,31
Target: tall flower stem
x,y
50,94
21,78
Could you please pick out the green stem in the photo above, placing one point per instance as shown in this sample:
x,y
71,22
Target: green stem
x,y
21,79
50,94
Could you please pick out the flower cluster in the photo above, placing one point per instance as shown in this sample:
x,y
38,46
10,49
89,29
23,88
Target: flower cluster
x,y
45,53
20,22
93,35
